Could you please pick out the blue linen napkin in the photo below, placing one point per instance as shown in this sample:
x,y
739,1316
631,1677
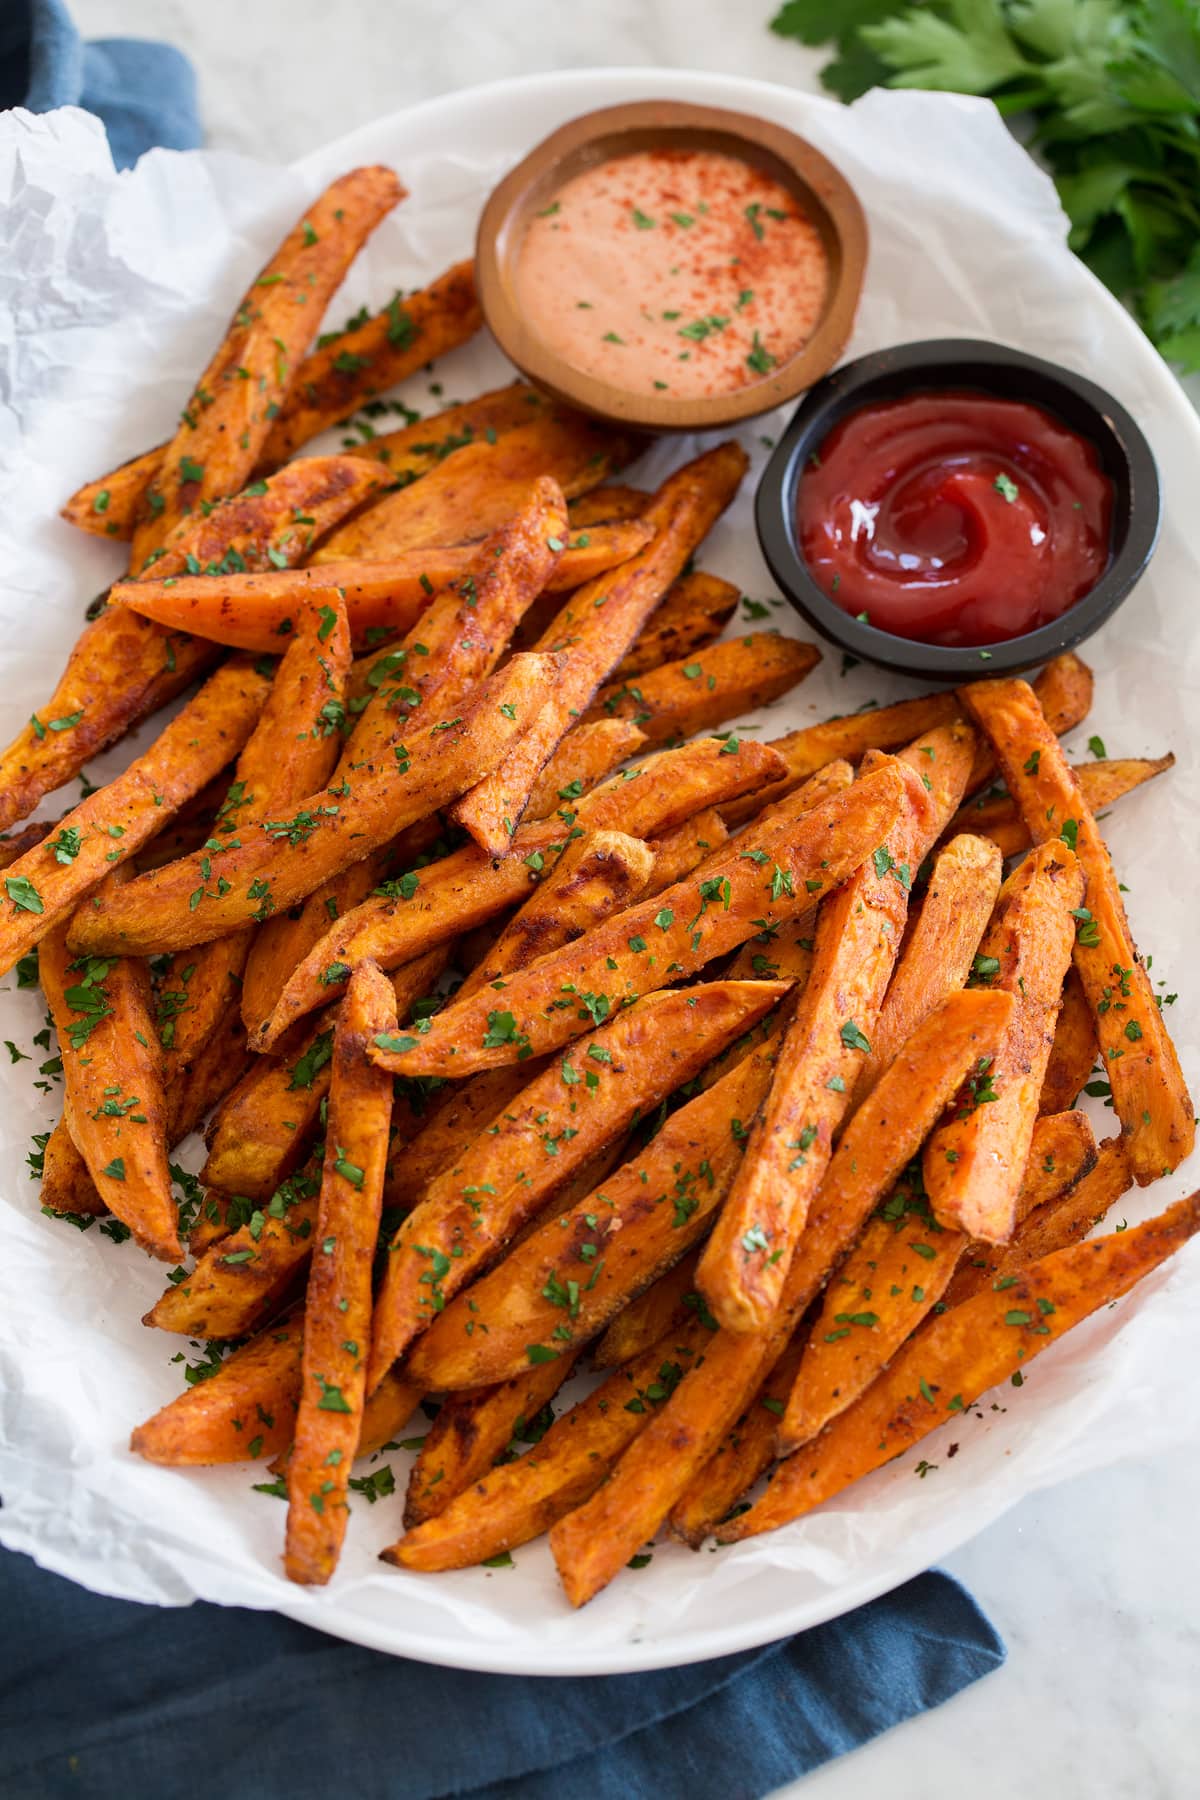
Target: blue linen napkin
x,y
109,1699
144,93
106,1698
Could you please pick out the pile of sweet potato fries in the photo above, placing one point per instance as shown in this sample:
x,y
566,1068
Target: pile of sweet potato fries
x,y
536,1026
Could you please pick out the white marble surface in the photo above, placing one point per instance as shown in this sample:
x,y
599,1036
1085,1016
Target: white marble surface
x,y
1095,1585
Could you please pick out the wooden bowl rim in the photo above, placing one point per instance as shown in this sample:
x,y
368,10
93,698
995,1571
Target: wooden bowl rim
x,y
818,184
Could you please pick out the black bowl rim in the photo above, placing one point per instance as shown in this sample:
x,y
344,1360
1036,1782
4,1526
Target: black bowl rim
x,y
931,362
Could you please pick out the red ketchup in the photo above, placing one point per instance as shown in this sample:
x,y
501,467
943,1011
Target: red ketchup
x,y
954,518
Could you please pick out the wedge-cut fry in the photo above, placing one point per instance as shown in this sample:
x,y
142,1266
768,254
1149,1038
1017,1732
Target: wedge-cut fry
x,y
246,1412
1061,1217
567,1280
457,1115
518,1501
249,879
355,365
1064,688
415,449
108,827
899,1270
107,507
260,1132
858,934
67,1185
252,611
746,1452
427,324
597,626
1073,1052
101,1011
586,756
937,955
211,1074
698,692
692,614
597,874
224,426
386,1413
974,1161
246,1276
962,1354
579,1105
258,527
685,848
1149,1091
593,1544
466,889
611,501
996,816
472,1431
640,1324
262,1129
669,936
15,844
290,753
480,487
337,1318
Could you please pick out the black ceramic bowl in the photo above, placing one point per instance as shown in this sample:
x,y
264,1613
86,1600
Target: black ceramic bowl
x,y
995,369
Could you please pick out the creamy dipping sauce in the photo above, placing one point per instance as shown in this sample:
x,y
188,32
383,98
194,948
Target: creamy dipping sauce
x,y
682,273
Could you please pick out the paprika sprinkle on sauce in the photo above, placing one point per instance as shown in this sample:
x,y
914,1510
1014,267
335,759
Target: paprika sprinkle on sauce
x,y
955,518
676,272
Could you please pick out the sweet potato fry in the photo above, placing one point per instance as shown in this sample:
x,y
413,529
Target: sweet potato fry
x,y
415,449
108,827
563,1284
645,1319
684,849
691,615
899,1270
262,1130
480,486
67,1185
107,507
1073,1052
974,1161
1064,688
962,1354
597,874
577,1106
1149,1091
936,957
353,366
597,626
593,1544
386,1412
671,935
746,1452
252,611
124,666
996,816
211,1074
337,1320
245,1277
466,889
472,1431
246,881
290,753
457,1115
586,756
698,692
101,1011
429,323
611,501
225,424
1063,1210
518,1501
243,1413
858,934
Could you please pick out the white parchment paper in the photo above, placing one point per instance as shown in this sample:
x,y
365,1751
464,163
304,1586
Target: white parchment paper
x,y
113,290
